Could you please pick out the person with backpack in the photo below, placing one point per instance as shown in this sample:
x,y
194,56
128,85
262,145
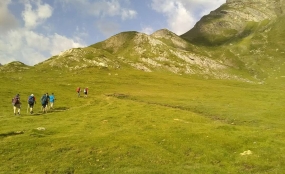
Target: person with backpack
x,y
51,100
31,102
85,92
44,103
47,101
78,91
16,104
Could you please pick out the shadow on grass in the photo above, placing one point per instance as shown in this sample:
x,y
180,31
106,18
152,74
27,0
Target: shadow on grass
x,y
60,109
2,135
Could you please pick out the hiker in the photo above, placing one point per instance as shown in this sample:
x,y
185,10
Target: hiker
x,y
16,104
31,102
44,103
51,100
85,92
78,91
47,101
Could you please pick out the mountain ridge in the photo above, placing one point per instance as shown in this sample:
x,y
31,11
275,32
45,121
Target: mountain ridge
x,y
235,41
140,51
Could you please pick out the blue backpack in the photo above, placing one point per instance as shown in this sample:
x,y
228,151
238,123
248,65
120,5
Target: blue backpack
x,y
44,99
31,100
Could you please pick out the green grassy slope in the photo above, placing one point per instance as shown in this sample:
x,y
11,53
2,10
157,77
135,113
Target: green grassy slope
x,y
258,52
137,122
244,36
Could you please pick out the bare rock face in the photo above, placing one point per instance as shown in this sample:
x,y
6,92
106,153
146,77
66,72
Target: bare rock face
x,y
166,34
234,19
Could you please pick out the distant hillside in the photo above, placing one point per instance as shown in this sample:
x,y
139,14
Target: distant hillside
x,y
15,66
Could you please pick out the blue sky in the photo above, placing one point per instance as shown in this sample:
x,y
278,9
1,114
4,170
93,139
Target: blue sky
x,y
32,31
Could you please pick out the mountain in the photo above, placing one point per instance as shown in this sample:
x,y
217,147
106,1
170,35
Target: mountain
x,y
234,20
15,66
246,35
161,51
240,40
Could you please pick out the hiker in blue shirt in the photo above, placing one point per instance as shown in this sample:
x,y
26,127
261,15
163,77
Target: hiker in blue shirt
x,y
51,100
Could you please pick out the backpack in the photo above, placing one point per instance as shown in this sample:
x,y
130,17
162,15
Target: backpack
x,y
44,99
78,89
16,100
31,100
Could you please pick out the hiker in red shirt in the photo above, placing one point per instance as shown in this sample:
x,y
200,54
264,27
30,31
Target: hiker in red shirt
x,y
78,91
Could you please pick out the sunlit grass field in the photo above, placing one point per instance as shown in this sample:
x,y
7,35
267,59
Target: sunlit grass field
x,y
137,122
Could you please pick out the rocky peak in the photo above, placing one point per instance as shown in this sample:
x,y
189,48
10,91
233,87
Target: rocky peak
x,y
118,41
166,34
163,33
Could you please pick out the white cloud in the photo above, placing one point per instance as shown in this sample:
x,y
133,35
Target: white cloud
x,y
60,43
101,8
31,48
7,19
34,17
183,14
128,14
200,8
33,39
147,30
108,28
26,45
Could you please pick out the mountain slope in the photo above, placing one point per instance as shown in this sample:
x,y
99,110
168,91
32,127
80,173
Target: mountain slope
x,y
235,19
246,35
161,51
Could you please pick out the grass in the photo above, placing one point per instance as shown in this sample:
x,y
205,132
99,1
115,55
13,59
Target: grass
x,y
135,122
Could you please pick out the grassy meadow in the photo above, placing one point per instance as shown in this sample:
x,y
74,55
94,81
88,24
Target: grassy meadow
x,y
137,122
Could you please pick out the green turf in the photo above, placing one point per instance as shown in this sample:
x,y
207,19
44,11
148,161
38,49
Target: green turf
x,y
137,122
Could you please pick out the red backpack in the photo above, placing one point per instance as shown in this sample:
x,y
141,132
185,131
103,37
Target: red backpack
x,y
16,100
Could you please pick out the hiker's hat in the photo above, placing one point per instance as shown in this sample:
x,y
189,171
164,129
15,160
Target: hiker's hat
x,y
32,94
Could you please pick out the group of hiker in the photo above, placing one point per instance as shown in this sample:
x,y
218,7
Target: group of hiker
x,y
85,91
47,102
